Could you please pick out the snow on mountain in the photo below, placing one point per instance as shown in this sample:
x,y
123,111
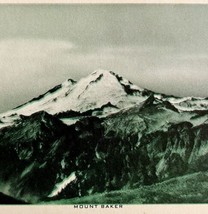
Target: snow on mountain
x,y
94,91
189,103
60,186
36,104
103,92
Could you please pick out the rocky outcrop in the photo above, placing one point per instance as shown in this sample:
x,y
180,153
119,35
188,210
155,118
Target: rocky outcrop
x,y
44,159
41,151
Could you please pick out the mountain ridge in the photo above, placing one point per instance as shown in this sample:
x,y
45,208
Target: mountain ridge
x,y
92,92
117,136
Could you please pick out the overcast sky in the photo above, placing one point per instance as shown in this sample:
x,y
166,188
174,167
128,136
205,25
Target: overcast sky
x,y
160,47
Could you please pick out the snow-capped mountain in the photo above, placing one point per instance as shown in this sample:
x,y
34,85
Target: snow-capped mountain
x,y
101,89
102,92
93,91
100,134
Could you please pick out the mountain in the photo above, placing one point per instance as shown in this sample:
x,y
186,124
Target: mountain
x,y
99,94
40,153
102,89
99,135
188,103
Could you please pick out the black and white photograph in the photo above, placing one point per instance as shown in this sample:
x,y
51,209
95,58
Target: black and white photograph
x,y
103,104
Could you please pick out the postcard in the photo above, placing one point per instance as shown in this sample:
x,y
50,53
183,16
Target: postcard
x,y
103,107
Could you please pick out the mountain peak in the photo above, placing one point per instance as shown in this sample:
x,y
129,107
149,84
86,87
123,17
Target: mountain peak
x,y
101,74
107,73
91,92
100,71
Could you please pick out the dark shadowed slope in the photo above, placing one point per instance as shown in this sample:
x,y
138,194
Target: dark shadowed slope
x,y
4,199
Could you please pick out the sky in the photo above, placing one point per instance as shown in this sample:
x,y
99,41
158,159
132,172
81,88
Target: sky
x,y
163,48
